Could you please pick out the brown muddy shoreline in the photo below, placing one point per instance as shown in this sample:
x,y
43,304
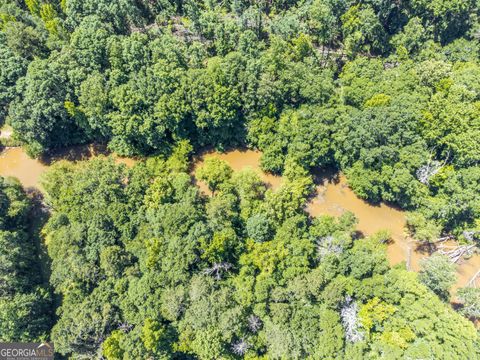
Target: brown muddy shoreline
x,y
16,163
332,197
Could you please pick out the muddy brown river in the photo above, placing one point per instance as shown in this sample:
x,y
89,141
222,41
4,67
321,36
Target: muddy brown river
x,y
239,160
333,196
16,163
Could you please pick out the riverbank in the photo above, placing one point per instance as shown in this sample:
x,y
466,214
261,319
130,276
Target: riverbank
x,y
332,197
16,163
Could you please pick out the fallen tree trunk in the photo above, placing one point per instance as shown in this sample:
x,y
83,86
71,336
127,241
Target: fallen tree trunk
x,y
444,238
457,252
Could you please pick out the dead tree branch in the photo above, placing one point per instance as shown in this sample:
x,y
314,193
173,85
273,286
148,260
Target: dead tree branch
x,y
430,169
456,252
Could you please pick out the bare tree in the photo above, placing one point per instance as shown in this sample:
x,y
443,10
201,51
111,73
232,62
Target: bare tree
x,y
349,315
473,281
218,269
326,245
125,327
254,323
432,167
470,234
240,347
455,252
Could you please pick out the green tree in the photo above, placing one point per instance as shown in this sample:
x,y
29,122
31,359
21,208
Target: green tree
x,y
259,228
25,303
362,31
449,19
438,274
470,298
38,114
13,67
421,228
121,14
214,172
322,21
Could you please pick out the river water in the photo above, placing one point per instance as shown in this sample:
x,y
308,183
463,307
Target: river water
x,y
332,197
238,160
15,162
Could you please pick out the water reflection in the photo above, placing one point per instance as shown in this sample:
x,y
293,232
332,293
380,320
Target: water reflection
x,y
75,153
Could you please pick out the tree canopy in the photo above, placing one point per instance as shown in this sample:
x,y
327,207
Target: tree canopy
x,y
25,298
148,266
143,265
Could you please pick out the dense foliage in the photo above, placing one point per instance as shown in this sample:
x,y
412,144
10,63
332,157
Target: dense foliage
x,y
149,268
25,303
386,91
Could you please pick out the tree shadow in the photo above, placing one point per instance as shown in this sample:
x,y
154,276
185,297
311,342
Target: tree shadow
x,y
425,248
38,217
322,177
75,153
357,235
328,175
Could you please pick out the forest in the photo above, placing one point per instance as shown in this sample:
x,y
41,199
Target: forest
x,y
116,262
